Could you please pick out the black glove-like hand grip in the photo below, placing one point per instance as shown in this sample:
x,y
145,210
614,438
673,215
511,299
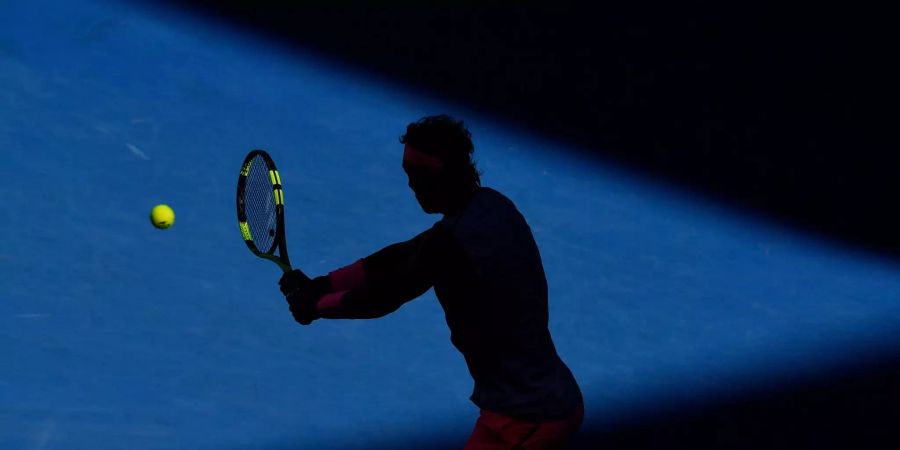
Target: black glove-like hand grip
x,y
293,281
303,301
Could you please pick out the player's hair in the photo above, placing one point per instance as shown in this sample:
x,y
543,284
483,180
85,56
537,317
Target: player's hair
x,y
449,140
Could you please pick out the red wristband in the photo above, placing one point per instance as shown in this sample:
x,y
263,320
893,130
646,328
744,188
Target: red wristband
x,y
349,277
329,305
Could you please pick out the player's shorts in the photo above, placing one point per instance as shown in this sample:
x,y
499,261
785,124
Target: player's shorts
x,y
498,432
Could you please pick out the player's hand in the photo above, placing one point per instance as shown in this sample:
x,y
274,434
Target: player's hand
x,y
303,302
293,281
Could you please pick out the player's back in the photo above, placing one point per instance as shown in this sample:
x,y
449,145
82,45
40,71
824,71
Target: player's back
x,y
494,295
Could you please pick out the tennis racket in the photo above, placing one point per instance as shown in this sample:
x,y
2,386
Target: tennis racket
x,y
260,209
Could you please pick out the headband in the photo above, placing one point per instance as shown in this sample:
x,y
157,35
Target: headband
x,y
417,158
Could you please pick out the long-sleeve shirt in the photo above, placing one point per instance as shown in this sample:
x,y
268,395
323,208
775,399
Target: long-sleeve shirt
x,y
486,271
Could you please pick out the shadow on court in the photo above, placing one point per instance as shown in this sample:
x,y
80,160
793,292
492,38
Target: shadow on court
x,y
847,407
778,110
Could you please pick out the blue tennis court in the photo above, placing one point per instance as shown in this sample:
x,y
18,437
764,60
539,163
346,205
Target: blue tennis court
x,y
116,335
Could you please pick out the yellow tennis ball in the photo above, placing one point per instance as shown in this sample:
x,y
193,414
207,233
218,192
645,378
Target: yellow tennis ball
x,y
162,216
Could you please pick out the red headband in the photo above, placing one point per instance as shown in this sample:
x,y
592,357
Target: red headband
x,y
417,158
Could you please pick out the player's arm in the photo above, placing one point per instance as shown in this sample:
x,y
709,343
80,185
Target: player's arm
x,y
373,286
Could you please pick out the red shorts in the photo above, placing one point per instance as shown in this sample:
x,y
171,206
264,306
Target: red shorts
x,y
495,432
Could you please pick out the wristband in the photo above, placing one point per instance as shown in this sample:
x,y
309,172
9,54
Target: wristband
x,y
329,305
348,278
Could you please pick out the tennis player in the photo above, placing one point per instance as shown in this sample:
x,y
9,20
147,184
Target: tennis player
x,y
486,271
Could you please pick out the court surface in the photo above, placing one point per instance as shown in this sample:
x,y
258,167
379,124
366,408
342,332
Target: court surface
x,y
116,335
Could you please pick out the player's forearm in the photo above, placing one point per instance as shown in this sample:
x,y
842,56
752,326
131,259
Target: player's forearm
x,y
356,304
348,277
378,284
351,296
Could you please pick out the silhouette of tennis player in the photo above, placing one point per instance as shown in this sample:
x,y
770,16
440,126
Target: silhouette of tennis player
x,y
486,271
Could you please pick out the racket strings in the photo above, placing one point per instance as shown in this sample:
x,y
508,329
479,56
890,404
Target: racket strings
x,y
259,206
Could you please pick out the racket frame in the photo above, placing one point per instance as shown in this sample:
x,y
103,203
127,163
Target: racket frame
x,y
280,241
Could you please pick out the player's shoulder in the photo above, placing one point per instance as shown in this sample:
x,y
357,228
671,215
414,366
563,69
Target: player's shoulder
x,y
488,209
494,197
491,202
